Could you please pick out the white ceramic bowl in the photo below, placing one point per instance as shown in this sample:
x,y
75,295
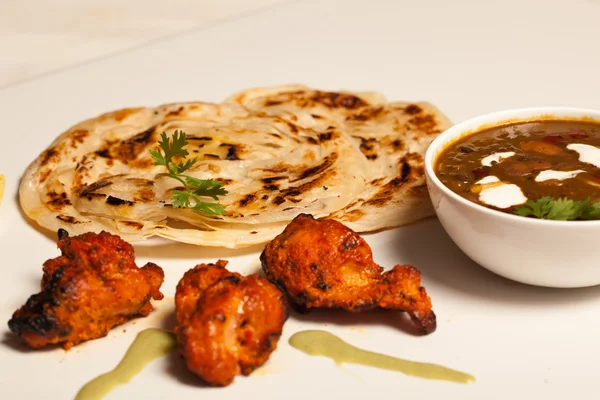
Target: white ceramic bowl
x,y
538,252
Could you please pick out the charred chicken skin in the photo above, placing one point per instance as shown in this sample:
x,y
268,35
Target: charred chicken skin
x,y
227,324
92,287
323,264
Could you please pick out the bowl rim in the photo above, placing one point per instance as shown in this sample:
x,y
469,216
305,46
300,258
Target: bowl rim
x,y
488,120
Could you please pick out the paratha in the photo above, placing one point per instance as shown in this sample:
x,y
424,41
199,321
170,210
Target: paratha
x,y
99,174
392,137
279,152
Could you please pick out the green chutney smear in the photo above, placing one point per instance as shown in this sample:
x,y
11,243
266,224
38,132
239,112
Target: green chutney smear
x,y
148,345
322,343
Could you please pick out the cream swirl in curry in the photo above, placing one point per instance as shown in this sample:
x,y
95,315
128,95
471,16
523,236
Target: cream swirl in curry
x,y
505,166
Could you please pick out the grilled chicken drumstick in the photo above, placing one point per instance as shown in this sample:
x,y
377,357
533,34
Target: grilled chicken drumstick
x,y
92,287
227,324
324,264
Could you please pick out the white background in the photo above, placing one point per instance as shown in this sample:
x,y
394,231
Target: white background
x,y
467,57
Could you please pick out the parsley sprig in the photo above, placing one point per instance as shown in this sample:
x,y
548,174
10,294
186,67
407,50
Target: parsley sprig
x,y
193,188
560,209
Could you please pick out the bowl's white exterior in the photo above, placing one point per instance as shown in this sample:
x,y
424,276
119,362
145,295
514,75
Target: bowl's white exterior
x,y
537,252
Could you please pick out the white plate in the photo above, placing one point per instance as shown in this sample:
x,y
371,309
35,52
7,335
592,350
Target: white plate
x,y
467,57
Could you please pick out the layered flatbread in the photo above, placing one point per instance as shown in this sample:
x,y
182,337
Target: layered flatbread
x,y
278,151
392,137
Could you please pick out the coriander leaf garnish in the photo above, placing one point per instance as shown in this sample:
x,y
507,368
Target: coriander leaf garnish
x,y
193,188
591,212
537,209
561,209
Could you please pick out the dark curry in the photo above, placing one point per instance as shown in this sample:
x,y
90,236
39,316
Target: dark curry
x,y
515,165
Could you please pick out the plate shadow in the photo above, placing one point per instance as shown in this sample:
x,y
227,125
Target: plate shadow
x,y
395,319
427,246
190,251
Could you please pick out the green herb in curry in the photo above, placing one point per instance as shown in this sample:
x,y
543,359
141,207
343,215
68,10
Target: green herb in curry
x,y
562,209
193,188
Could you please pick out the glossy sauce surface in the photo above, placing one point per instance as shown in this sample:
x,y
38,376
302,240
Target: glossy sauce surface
x,y
322,343
544,158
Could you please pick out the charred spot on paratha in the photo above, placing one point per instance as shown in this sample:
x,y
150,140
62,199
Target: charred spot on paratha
x,y
413,109
234,151
175,113
387,191
338,100
416,161
368,147
115,201
49,155
129,150
278,168
426,123
249,198
271,103
78,136
292,126
133,224
144,195
57,201
91,196
104,153
353,215
295,191
404,171
44,175
88,190
120,115
224,181
323,137
141,190
69,219
140,181
397,145
272,179
278,200
369,113
317,169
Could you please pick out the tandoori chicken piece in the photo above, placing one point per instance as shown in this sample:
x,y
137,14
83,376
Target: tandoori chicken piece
x,y
92,287
193,284
227,324
324,264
